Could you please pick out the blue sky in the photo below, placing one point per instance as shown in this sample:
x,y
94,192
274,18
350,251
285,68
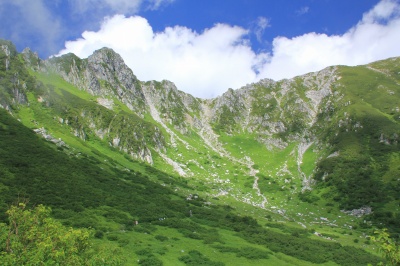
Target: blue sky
x,y
208,46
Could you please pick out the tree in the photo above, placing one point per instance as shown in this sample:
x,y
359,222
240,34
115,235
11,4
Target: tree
x,y
387,246
32,237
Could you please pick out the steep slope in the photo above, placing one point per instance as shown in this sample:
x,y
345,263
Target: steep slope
x,y
363,134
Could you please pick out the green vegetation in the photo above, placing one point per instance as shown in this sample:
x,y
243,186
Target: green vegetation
x,y
66,61
195,258
32,237
365,172
387,246
226,120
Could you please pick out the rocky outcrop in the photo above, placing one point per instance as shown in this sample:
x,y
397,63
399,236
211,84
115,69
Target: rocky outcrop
x,y
272,109
366,210
41,131
6,50
104,74
31,58
174,108
13,83
122,131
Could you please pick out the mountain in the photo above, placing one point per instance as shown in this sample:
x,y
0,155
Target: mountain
x,y
317,153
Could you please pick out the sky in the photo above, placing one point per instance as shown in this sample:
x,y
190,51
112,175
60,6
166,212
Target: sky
x,y
208,46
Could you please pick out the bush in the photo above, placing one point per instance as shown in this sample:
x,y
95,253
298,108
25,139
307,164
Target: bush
x,y
161,238
33,238
307,196
252,253
195,258
112,237
150,261
99,234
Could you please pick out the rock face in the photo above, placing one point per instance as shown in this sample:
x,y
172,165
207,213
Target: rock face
x,y
270,108
104,74
262,107
13,80
359,212
59,142
7,53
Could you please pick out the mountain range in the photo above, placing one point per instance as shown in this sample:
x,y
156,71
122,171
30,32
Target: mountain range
x,y
314,160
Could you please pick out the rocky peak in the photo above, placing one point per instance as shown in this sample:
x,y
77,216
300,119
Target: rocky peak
x,y
31,58
6,48
107,58
102,74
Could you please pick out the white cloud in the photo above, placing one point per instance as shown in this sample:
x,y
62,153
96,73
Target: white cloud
x,y
39,23
124,6
383,11
303,10
156,4
208,63
116,6
204,64
375,37
30,19
261,24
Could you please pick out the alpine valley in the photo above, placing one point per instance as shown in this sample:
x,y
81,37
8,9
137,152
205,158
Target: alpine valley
x,y
299,171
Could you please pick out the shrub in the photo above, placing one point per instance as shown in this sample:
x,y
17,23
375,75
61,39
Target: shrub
x,y
161,238
34,238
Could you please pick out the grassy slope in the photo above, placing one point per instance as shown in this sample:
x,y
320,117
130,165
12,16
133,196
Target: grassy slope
x,y
365,172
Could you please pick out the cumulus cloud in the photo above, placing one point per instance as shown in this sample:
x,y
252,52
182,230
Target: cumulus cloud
x,y
206,64
375,37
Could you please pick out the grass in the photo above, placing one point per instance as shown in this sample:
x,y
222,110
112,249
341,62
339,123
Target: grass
x,y
309,162
58,82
